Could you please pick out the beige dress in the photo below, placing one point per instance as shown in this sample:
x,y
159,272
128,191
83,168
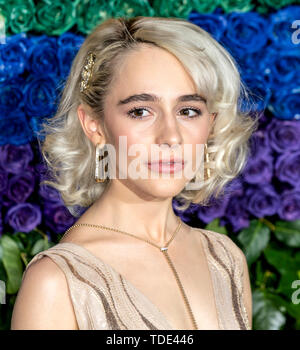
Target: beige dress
x,y
103,299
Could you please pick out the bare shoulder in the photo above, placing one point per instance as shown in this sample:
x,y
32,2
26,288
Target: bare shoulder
x,y
221,238
43,300
218,241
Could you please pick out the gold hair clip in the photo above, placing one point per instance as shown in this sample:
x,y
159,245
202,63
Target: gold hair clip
x,y
86,73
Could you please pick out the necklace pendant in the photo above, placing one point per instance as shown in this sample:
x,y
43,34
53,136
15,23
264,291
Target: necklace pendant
x,y
163,248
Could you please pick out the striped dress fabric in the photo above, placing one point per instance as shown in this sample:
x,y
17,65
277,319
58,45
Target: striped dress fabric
x,y
102,299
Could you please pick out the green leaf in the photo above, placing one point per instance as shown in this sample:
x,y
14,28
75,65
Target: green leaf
x,y
288,232
282,259
254,239
287,265
215,226
266,314
12,264
38,246
285,284
285,306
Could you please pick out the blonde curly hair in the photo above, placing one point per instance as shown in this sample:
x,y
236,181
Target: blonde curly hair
x,y
70,155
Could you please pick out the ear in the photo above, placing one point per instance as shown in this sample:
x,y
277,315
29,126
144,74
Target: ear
x,y
90,126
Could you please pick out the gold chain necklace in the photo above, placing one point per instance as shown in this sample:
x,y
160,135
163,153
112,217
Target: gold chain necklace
x,y
162,249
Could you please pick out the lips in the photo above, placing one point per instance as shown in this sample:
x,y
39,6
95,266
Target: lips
x,y
166,166
166,161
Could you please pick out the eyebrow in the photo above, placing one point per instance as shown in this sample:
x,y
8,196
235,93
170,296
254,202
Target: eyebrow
x,y
153,98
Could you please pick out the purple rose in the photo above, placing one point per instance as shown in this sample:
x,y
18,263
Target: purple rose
x,y
262,200
215,209
284,135
14,159
15,128
58,218
48,193
21,186
186,215
258,171
24,217
287,168
41,170
236,213
3,180
235,187
259,144
290,205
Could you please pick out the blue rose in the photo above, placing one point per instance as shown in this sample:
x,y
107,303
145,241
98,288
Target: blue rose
x,y
68,46
40,95
13,56
281,31
215,24
284,66
42,56
11,96
245,33
259,93
285,102
14,129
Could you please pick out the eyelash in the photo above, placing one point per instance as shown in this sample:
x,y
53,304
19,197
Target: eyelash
x,y
197,110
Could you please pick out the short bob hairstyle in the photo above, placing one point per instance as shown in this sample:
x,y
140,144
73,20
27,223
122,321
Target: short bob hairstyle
x,y
70,154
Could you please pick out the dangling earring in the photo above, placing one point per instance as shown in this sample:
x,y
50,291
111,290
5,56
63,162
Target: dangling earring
x,y
99,170
207,161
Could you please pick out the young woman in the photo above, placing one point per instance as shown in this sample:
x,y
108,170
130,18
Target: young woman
x,y
129,262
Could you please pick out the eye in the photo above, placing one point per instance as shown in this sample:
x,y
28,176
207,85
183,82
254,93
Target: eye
x,y
139,110
196,110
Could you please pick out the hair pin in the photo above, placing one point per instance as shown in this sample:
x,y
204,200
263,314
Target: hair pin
x,y
86,73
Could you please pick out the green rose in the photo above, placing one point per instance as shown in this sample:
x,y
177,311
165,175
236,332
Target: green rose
x,y
265,5
236,5
172,8
55,17
91,13
132,8
22,16
204,6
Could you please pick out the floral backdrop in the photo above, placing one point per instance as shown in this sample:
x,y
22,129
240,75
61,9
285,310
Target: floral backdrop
x,y
261,209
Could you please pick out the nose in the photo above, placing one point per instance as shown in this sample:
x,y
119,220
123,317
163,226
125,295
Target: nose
x,y
169,132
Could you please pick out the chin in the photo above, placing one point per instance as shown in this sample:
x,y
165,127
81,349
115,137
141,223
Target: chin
x,y
163,188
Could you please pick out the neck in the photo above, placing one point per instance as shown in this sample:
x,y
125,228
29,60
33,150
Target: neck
x,y
153,220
